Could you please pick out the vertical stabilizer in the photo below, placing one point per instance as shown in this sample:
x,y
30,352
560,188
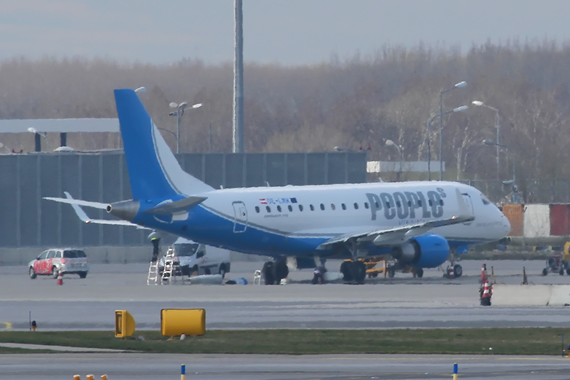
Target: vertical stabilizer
x,y
154,172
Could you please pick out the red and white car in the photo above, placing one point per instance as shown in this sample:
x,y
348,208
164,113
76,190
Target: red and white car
x,y
60,260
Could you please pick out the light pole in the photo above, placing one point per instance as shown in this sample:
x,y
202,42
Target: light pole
x,y
178,113
457,85
399,147
515,198
498,127
458,109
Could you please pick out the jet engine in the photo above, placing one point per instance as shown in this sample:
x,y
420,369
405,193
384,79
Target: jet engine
x,y
426,251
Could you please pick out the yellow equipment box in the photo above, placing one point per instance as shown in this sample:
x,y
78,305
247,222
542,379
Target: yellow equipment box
x,y
182,321
124,324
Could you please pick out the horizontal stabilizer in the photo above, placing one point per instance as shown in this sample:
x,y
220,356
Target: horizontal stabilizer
x,y
71,201
174,207
76,204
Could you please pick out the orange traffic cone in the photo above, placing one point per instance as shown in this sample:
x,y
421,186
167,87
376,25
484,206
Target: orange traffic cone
x,y
486,295
483,274
60,279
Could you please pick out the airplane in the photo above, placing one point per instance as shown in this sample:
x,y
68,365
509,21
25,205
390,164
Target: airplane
x,y
420,223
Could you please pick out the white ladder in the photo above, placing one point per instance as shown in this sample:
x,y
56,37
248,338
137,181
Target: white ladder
x,y
170,268
152,273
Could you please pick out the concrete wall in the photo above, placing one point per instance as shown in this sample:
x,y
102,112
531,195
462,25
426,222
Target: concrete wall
x,y
531,295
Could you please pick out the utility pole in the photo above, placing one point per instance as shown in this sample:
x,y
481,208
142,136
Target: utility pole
x,y
238,79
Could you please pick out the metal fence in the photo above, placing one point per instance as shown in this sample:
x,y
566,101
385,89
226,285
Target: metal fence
x,y
524,191
27,220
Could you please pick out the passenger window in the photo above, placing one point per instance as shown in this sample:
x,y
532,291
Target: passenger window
x,y
300,207
355,206
366,205
257,209
268,208
200,254
322,207
43,255
343,206
279,208
51,254
311,207
332,206
58,255
290,208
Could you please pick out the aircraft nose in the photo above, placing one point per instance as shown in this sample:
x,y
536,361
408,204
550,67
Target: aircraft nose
x,y
506,225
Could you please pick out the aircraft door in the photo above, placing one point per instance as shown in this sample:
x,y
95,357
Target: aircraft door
x,y
240,217
467,199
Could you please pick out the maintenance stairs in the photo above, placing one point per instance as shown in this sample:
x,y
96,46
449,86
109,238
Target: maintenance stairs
x,y
171,268
153,274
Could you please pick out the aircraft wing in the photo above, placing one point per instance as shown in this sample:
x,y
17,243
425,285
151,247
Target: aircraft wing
x,y
403,233
76,204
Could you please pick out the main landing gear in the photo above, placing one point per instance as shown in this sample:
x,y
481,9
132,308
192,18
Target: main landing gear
x,y
353,271
453,270
274,271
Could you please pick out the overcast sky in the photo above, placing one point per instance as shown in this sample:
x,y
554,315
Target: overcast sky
x,y
288,32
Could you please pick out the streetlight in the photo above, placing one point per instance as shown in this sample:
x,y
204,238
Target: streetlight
x,y
497,126
458,109
178,113
399,147
457,85
513,182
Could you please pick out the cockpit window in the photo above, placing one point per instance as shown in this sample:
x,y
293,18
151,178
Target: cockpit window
x,y
485,200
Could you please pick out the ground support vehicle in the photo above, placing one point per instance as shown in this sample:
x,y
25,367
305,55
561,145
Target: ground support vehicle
x,y
559,263
191,257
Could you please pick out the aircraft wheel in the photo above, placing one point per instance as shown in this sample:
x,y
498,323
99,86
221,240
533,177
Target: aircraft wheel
x,y
457,270
419,272
358,271
268,271
281,270
345,270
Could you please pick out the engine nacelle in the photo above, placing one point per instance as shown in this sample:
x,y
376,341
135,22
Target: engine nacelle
x,y
426,251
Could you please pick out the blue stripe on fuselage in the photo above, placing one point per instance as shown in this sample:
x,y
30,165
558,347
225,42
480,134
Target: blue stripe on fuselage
x,y
145,172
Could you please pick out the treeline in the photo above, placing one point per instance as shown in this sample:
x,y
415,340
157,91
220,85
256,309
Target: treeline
x,y
361,101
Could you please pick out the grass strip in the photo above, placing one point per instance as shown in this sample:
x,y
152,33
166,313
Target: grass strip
x,y
503,341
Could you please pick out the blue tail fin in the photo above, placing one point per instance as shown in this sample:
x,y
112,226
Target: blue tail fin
x,y
154,172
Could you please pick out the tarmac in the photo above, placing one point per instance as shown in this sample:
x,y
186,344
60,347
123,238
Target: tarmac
x,y
280,367
400,302
382,303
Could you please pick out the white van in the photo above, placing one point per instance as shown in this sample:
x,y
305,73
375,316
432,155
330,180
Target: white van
x,y
202,259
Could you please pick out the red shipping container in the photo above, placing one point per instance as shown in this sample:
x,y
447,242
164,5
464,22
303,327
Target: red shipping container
x,y
514,214
559,219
